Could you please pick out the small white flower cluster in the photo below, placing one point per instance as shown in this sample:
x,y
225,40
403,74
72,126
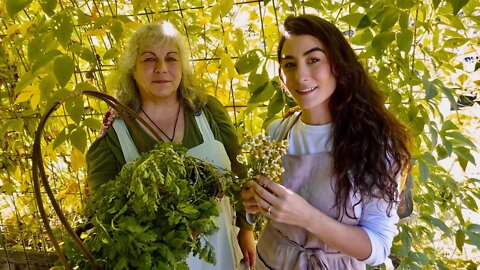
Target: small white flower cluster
x,y
262,156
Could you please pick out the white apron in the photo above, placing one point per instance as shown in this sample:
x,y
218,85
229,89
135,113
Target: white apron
x,y
224,243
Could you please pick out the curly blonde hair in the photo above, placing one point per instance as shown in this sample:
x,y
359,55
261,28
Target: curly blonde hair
x,y
122,79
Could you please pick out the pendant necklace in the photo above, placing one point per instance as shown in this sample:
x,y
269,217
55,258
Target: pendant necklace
x,y
163,132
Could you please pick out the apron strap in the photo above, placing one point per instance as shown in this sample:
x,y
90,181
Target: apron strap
x,y
129,149
204,127
281,132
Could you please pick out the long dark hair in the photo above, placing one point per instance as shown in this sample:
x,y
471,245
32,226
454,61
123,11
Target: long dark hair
x,y
370,146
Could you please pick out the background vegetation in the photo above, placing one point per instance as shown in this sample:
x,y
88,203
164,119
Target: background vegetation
x,y
424,55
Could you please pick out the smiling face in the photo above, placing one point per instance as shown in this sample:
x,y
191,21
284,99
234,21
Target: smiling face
x,y
307,74
158,71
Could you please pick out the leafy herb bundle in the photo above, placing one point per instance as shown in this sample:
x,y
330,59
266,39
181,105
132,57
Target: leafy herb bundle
x,y
149,216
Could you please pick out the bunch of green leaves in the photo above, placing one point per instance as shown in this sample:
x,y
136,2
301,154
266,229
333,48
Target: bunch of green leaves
x,y
154,213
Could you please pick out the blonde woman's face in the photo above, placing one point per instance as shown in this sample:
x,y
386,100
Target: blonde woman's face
x,y
158,71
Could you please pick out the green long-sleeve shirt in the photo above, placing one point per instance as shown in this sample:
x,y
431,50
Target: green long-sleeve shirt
x,y
105,158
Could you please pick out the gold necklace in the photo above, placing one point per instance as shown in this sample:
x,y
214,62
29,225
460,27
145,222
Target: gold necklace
x,y
163,132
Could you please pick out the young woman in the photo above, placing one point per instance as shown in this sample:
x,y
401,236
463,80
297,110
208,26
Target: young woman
x,y
154,78
336,205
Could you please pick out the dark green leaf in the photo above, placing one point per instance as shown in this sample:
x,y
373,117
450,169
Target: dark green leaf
x,y
459,214
276,103
459,239
15,6
436,3
471,203
457,5
111,54
62,28
87,55
438,223
116,28
362,36
403,21
430,89
85,86
60,138
317,5
79,139
390,18
464,153
405,4
75,109
475,228
63,67
424,171
473,238
363,3
262,93
381,42
46,86
420,258
460,139
48,6
353,19
44,59
405,40
441,152
247,62
364,22
92,123
448,92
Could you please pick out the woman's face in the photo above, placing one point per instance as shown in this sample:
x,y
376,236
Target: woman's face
x,y
158,71
306,72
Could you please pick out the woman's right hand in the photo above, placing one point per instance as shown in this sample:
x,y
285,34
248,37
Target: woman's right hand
x,y
248,198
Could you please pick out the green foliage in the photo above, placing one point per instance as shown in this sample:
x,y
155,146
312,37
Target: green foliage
x,y
154,213
414,50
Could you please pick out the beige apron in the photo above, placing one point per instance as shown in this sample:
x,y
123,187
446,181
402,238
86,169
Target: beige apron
x,y
225,245
283,246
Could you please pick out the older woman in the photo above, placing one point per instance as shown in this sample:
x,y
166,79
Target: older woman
x,y
154,78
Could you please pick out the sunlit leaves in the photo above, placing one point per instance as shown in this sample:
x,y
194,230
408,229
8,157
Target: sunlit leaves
x,y
63,67
62,28
15,6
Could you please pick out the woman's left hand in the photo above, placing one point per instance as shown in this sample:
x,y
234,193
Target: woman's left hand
x,y
279,203
246,240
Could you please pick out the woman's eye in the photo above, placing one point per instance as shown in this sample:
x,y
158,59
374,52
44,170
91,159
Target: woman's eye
x,y
288,65
172,59
149,59
314,60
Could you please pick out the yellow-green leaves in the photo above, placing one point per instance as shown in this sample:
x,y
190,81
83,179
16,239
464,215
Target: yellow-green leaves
x,y
15,6
63,67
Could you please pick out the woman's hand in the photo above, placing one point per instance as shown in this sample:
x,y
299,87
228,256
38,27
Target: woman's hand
x,y
246,240
248,198
279,203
